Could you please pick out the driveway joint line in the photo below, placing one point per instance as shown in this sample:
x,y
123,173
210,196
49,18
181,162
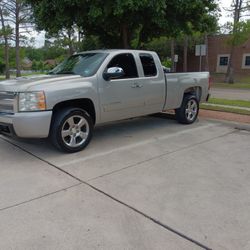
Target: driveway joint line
x,y
41,159
170,229
165,226
159,156
39,197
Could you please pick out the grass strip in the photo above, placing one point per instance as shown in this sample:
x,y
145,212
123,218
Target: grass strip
x,y
224,109
237,103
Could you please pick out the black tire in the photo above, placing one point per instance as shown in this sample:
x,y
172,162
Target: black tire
x,y
75,137
188,114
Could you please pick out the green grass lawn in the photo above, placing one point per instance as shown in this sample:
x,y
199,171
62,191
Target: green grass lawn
x,y
34,73
224,109
241,81
2,78
237,103
245,79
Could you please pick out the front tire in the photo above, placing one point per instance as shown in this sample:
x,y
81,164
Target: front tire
x,y
189,110
71,130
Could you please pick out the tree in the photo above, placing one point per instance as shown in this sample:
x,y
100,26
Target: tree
x,y
208,24
240,31
5,33
118,23
159,45
17,18
65,38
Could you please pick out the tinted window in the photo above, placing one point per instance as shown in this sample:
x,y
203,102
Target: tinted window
x,y
247,61
148,65
127,63
223,60
82,64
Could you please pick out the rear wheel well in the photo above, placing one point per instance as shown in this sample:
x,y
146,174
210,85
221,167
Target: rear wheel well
x,y
85,104
195,91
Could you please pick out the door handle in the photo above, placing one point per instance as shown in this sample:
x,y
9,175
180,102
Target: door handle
x,y
136,85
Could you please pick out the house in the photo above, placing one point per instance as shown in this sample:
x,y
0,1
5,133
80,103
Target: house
x,y
50,62
26,63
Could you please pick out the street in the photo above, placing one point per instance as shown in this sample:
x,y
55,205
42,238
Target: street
x,y
231,94
145,183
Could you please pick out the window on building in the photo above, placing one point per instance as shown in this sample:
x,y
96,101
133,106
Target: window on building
x,y
223,60
247,61
125,61
148,65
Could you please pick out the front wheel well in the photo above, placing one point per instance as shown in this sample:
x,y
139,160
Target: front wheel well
x,y
85,104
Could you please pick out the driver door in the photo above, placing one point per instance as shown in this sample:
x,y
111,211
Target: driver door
x,y
122,98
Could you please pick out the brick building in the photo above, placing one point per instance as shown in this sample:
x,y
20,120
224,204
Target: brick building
x,y
218,57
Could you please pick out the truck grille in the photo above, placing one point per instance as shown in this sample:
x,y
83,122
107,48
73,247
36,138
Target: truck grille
x,y
7,102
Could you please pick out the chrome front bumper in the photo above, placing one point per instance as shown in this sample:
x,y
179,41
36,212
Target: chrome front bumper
x,y
26,124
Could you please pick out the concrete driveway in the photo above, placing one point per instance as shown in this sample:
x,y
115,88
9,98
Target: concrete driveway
x,y
146,183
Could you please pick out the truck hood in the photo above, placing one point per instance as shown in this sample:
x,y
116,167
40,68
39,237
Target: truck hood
x,y
36,82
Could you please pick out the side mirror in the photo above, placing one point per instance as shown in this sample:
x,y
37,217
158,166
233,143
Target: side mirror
x,y
166,70
112,73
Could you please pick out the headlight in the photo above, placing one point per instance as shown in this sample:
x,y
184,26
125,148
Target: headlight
x,y
32,101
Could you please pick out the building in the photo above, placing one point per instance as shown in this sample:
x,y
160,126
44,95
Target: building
x,y
218,57
219,54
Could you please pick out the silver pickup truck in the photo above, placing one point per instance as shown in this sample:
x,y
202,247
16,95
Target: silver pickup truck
x,y
96,87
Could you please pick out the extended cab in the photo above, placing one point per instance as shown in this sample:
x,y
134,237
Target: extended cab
x,y
96,87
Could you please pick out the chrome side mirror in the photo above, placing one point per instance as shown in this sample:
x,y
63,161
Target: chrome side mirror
x,y
113,73
166,70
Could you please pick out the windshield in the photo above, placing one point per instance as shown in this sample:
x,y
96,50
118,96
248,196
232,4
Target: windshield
x,y
81,64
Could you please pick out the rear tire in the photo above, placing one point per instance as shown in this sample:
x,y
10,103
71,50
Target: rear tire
x,y
71,130
189,110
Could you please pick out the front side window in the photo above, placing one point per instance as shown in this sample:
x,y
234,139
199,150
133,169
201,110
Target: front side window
x,y
223,60
148,65
81,64
125,61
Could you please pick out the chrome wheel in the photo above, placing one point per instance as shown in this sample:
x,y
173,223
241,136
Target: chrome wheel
x,y
191,110
75,131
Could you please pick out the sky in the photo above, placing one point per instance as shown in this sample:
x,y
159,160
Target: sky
x,y
224,4
39,37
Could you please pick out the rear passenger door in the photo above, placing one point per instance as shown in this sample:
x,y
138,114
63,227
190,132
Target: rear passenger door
x,y
153,82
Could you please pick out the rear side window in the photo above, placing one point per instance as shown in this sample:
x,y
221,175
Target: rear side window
x,y
125,61
148,65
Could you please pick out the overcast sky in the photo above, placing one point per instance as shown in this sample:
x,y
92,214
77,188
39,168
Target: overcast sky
x,y
224,4
39,37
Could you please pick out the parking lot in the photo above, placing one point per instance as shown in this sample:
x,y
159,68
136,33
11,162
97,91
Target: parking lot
x,y
145,183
